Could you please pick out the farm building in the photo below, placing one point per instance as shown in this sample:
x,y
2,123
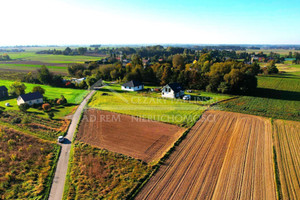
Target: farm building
x,y
3,92
172,90
30,98
97,85
133,86
77,80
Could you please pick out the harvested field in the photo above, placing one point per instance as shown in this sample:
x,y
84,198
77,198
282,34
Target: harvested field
x,y
136,137
225,156
287,145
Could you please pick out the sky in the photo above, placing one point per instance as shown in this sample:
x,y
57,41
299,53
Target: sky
x,y
66,22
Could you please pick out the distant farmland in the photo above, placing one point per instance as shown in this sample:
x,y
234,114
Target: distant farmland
x,y
30,61
32,68
277,96
268,51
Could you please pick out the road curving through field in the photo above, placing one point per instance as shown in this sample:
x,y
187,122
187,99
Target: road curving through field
x,y
59,179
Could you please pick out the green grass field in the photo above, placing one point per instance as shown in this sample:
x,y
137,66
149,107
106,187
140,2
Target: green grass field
x,y
198,97
165,110
277,96
73,96
150,105
27,67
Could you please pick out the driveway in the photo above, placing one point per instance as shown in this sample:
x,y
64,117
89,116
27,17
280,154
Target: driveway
x,y
58,183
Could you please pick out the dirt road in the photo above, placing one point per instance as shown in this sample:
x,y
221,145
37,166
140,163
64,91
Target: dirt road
x,y
58,184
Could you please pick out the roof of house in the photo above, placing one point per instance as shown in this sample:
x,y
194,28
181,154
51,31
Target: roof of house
x,y
176,87
132,84
31,96
3,88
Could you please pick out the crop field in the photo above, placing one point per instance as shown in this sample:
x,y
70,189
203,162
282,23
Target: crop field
x,y
47,58
268,51
287,145
73,96
26,165
29,61
277,96
135,137
225,156
100,174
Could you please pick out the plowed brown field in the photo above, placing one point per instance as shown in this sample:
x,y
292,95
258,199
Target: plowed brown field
x,y
225,156
142,139
287,144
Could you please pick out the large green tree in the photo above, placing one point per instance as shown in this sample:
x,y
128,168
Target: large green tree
x,y
38,89
17,88
178,62
44,75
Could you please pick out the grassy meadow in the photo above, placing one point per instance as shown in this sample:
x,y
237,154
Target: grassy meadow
x,y
73,96
165,110
103,174
27,165
150,105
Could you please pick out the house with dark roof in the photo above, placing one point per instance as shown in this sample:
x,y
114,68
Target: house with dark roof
x,y
3,92
172,90
133,86
30,98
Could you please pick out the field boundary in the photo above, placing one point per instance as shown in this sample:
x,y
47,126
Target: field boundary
x,y
71,158
51,175
26,132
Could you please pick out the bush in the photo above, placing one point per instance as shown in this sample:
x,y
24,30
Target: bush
x,y
26,120
16,120
46,107
62,100
36,106
50,115
38,89
24,107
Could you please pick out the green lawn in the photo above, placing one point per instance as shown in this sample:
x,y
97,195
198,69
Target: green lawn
x,y
165,110
277,96
73,96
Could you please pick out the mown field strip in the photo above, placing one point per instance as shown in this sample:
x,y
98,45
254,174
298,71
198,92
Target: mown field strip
x,y
287,144
226,157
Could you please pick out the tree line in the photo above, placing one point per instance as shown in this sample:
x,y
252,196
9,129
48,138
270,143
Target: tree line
x,y
206,73
4,57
